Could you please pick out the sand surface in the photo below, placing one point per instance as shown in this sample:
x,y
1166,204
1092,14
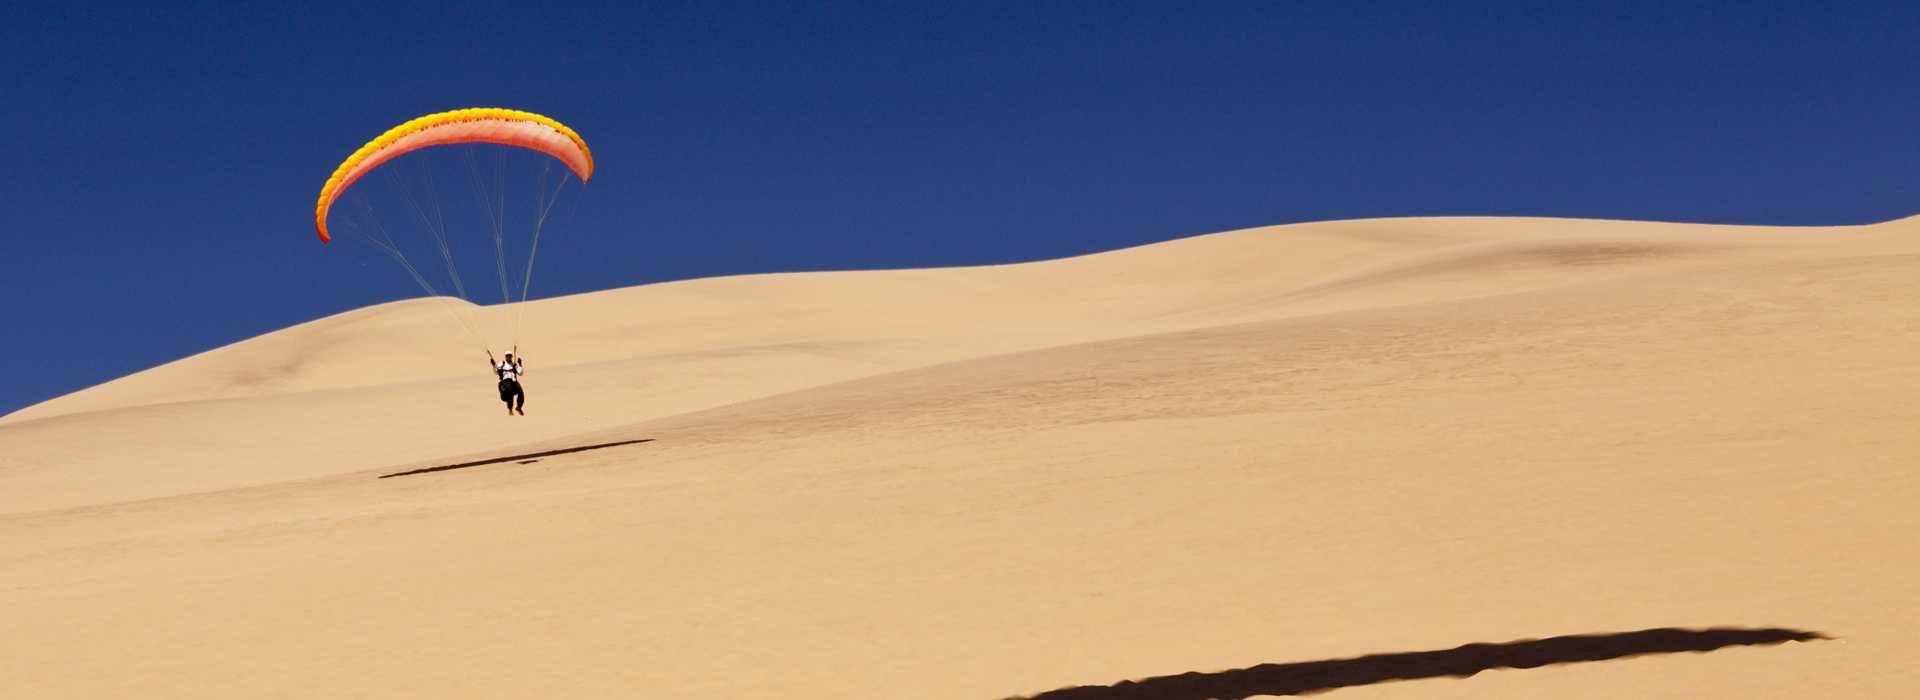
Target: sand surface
x,y
1274,446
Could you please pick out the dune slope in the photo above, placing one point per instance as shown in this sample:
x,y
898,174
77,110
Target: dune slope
x,y
1278,445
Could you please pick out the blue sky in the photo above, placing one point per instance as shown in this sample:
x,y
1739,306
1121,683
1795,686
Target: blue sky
x,y
161,161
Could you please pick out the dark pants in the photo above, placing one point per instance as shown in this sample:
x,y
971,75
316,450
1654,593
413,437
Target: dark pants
x,y
510,391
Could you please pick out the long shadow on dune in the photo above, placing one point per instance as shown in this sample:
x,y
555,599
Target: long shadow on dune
x,y
1320,676
527,458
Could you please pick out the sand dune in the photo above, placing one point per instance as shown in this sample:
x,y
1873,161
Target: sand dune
x,y
1277,446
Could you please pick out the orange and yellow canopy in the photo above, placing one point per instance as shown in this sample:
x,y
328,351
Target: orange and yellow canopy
x,y
507,127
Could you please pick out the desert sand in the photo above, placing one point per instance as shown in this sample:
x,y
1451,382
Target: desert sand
x,y
1231,456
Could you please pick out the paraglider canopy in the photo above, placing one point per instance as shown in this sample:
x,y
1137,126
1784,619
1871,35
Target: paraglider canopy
x,y
506,136
507,127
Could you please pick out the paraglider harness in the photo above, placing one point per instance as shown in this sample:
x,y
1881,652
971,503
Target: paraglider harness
x,y
509,382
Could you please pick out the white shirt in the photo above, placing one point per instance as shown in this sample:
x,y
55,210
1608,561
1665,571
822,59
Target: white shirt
x,y
510,370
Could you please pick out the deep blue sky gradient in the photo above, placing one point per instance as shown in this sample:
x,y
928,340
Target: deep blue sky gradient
x,y
161,163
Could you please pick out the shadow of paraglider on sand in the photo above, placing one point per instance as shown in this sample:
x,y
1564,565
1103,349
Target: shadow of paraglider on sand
x,y
1319,676
527,458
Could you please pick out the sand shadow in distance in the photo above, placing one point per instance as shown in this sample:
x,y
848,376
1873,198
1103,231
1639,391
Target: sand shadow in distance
x,y
527,458
1319,676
